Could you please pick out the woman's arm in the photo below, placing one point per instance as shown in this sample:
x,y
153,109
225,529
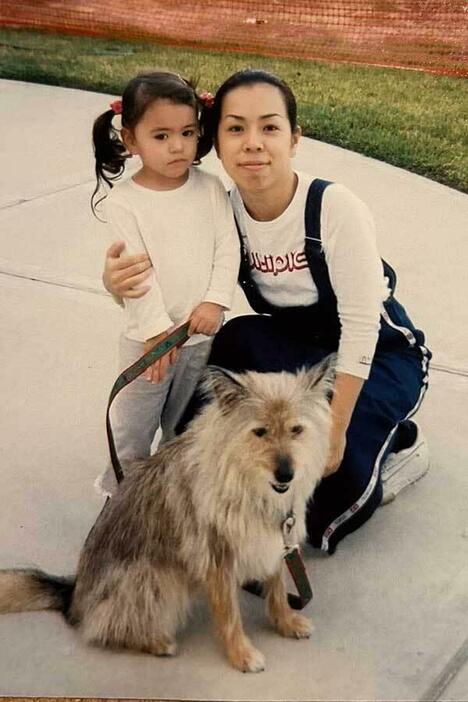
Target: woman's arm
x,y
345,394
356,275
123,275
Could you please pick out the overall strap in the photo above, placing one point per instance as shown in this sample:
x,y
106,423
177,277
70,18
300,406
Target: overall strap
x,y
255,300
313,244
390,274
313,240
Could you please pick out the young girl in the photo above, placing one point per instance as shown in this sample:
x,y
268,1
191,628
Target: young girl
x,y
183,214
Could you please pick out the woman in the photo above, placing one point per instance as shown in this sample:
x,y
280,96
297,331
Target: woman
x,y
310,267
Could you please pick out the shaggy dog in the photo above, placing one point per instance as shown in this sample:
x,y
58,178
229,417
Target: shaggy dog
x,y
204,513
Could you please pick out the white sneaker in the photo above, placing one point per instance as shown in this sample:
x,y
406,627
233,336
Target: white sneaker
x,y
405,467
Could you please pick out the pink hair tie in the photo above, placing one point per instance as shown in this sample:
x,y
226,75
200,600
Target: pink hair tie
x,y
207,99
116,107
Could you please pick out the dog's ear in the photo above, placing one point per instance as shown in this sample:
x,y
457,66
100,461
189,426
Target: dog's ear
x,y
321,377
225,386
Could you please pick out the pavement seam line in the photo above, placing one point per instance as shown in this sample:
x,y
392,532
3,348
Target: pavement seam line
x,y
462,372
57,283
447,674
48,193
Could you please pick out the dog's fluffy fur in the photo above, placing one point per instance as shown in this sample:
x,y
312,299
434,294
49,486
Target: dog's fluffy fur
x,y
205,512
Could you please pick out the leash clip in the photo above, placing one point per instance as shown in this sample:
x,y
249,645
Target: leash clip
x,y
286,528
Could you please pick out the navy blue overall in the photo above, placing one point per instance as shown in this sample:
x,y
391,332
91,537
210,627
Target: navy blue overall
x,y
289,338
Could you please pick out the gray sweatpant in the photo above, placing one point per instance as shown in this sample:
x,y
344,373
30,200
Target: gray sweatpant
x,y
141,408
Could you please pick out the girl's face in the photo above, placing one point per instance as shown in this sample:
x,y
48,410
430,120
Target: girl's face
x,y
166,140
254,141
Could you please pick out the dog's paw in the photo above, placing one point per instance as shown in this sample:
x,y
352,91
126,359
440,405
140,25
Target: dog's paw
x,y
248,659
294,626
163,647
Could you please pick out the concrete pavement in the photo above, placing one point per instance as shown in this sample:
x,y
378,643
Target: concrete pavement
x,y
390,607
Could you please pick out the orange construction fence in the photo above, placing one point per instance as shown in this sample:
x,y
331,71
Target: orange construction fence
x,y
430,35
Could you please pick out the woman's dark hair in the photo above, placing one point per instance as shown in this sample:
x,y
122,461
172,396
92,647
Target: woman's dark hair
x,y
211,117
109,150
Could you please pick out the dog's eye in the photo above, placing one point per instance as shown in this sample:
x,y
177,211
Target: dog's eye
x,y
259,431
297,429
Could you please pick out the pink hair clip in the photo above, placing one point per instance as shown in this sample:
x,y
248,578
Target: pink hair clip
x,y
116,107
207,99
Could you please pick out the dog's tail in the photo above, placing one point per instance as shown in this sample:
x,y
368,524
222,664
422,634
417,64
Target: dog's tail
x,y
30,589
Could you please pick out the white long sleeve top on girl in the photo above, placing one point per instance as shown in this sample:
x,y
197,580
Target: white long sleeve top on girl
x,y
281,272
190,236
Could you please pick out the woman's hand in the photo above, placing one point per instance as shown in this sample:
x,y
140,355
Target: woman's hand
x,y
345,394
158,371
206,318
123,275
336,449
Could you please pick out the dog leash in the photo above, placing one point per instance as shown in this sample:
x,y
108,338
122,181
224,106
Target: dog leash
x,y
295,564
175,339
296,567
292,554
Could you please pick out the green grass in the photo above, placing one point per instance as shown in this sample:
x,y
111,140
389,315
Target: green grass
x,y
410,119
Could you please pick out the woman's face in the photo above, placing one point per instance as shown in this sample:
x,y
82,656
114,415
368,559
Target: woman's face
x,y
254,140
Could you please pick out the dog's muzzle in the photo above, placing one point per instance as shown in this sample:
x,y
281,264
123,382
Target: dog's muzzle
x,y
284,474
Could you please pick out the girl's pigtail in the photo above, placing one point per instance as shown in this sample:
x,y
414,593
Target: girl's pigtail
x,y
110,155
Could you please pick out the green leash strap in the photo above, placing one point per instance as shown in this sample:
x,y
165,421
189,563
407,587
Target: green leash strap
x,y
175,339
299,574
296,567
293,558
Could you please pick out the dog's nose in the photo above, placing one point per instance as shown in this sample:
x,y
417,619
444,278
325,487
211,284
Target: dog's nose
x,y
284,472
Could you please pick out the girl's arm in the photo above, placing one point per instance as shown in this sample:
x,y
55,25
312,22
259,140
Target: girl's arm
x,y
226,258
147,314
208,316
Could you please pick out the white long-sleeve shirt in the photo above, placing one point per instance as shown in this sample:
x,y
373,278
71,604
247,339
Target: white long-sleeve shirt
x,y
190,236
280,269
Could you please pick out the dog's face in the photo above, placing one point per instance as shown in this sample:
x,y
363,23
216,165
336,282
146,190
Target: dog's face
x,y
278,423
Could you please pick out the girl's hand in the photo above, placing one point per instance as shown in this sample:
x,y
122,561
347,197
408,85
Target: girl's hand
x,y
123,275
336,449
158,371
206,318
